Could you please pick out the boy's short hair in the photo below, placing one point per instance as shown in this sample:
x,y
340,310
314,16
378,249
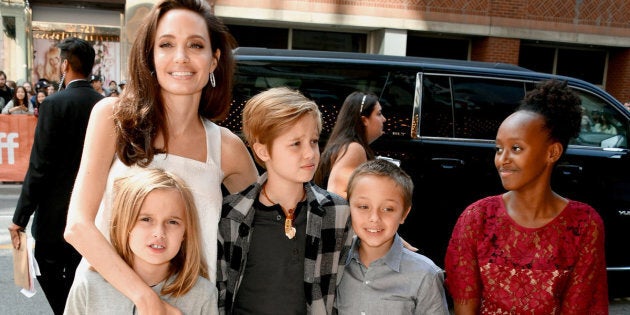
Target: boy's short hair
x,y
383,168
269,113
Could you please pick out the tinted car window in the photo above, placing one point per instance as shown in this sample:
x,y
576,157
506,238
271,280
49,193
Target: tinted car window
x,y
437,110
602,125
480,105
466,107
328,85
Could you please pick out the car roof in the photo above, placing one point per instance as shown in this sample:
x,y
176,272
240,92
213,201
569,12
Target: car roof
x,y
451,66
314,55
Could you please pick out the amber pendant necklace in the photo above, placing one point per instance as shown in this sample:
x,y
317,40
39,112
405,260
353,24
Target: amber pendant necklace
x,y
289,229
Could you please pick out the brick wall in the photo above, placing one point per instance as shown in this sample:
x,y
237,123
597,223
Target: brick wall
x,y
603,13
618,78
496,49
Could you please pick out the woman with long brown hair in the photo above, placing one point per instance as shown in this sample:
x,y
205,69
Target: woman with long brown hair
x,y
359,123
180,80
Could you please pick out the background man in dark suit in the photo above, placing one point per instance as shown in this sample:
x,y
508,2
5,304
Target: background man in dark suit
x,y
53,166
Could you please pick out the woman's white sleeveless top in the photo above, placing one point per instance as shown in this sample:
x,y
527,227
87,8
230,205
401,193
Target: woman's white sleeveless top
x,y
204,180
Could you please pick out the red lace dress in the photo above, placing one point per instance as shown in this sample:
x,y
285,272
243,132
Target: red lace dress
x,y
555,269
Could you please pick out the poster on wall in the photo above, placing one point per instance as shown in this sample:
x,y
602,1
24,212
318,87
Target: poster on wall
x,y
46,59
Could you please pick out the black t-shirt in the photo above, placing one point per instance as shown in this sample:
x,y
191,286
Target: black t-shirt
x,y
273,281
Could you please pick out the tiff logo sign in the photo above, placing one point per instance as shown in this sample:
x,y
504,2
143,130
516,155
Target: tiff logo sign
x,y
7,143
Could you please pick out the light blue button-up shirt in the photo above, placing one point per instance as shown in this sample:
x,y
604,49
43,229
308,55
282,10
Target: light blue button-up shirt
x,y
401,282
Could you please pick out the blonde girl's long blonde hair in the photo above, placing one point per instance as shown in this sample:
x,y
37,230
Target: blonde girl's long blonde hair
x,y
129,194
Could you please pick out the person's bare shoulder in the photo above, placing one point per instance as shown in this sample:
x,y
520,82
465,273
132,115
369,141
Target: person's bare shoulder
x,y
354,155
105,107
237,164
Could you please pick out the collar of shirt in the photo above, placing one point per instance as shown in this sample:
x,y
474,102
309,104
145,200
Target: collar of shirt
x,y
77,80
392,259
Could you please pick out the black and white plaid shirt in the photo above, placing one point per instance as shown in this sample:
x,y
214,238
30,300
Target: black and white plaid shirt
x,y
328,240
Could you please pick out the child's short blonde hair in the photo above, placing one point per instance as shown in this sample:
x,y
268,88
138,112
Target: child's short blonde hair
x,y
129,195
382,168
267,114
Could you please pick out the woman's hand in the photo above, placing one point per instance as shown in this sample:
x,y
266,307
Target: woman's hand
x,y
17,108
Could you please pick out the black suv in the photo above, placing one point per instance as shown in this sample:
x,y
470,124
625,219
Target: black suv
x,y
442,119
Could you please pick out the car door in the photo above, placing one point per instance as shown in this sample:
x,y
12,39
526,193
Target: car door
x,y
596,170
458,119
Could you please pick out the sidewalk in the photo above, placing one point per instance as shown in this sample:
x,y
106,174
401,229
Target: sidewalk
x,y
10,190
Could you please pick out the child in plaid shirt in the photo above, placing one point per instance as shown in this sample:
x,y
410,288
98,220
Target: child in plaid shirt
x,y
282,239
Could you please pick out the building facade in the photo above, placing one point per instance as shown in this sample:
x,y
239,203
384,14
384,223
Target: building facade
x,y
584,39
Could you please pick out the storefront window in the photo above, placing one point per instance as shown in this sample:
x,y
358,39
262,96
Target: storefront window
x,y
105,40
329,41
438,47
257,36
564,61
14,42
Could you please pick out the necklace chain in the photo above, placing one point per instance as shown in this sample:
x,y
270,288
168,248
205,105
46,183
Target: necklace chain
x,y
289,229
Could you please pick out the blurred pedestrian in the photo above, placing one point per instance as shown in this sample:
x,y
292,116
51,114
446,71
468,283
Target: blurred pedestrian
x,y
50,90
97,83
53,165
29,89
6,93
19,104
39,99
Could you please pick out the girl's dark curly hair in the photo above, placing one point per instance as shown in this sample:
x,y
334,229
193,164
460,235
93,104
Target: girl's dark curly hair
x,y
560,107
140,113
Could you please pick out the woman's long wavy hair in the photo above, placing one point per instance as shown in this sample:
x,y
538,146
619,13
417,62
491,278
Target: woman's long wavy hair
x,y
348,128
140,113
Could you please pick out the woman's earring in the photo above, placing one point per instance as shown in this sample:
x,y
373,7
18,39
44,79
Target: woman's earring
x,y
212,81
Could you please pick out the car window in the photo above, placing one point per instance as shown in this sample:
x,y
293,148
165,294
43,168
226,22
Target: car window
x,y
436,118
328,85
602,125
396,99
466,107
480,105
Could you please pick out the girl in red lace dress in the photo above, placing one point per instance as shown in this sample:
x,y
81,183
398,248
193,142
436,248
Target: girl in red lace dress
x,y
530,250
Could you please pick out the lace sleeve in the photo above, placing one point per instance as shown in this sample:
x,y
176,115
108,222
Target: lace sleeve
x,y
588,278
461,265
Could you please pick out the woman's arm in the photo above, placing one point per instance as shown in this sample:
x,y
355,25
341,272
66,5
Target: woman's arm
x,y
5,109
81,231
31,109
463,280
470,307
237,164
343,167
587,287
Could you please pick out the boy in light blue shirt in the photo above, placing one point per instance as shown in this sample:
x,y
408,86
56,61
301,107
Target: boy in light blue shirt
x,y
381,276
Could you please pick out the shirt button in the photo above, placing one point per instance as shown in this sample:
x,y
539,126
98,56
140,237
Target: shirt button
x,y
278,218
367,282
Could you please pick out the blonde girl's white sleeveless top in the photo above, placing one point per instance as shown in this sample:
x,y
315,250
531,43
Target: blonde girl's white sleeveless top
x,y
204,180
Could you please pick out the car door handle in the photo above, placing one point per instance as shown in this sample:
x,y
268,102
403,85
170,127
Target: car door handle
x,y
448,163
569,170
